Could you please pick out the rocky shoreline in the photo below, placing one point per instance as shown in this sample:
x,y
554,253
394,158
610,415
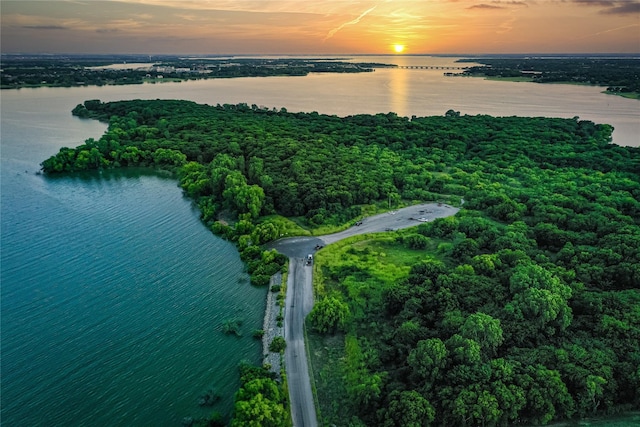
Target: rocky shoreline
x,y
271,328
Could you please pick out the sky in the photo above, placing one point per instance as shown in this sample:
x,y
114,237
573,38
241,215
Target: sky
x,y
310,27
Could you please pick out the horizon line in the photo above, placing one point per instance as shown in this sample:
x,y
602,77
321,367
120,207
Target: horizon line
x,y
322,54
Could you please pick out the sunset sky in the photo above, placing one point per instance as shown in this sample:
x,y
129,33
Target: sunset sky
x,y
320,26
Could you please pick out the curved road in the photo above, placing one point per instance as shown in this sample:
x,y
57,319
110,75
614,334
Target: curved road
x,y
299,299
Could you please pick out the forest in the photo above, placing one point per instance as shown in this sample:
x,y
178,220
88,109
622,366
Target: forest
x,y
524,308
620,75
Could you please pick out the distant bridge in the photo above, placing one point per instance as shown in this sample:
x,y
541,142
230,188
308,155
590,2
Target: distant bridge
x,y
430,67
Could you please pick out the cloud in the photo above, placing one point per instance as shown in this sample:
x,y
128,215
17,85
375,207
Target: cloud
x,y
256,6
352,22
498,4
623,9
513,3
613,7
45,27
485,6
506,26
616,29
107,30
595,2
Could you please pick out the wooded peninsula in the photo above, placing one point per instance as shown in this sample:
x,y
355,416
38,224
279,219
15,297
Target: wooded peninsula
x,y
620,75
524,308
20,71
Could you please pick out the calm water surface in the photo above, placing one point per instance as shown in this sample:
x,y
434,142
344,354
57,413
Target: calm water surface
x,y
113,292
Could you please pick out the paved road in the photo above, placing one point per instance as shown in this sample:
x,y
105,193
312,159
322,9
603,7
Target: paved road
x,y
299,299
299,302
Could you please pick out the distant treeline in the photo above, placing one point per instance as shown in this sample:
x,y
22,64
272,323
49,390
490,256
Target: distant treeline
x,y
20,72
524,308
617,74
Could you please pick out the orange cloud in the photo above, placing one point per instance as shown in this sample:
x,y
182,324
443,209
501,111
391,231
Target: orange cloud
x,y
321,26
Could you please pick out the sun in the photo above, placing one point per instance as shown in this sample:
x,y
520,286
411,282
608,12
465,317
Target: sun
x,y
399,48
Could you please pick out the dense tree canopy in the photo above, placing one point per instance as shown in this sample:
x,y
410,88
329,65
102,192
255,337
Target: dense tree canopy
x,y
521,308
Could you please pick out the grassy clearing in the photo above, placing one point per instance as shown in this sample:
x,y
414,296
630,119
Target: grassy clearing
x,y
367,264
629,95
378,256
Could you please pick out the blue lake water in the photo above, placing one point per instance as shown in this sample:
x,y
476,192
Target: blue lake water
x,y
113,292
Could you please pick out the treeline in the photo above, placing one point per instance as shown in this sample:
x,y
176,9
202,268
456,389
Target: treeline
x,y
65,72
617,74
522,309
262,161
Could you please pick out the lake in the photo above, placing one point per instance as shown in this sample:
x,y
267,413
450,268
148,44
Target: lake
x,y
113,292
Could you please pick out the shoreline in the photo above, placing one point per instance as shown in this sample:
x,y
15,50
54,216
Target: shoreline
x,y
271,328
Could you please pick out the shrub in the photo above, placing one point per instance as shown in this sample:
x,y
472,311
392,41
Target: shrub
x,y
277,345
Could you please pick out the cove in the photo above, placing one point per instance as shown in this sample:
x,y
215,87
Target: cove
x,y
113,298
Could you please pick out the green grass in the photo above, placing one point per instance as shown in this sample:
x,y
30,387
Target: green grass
x,y
629,95
375,261
327,355
377,255
285,226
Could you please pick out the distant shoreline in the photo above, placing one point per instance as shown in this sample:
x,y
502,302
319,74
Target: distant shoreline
x,y
18,73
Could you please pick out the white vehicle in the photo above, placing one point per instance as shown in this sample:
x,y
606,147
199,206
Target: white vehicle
x,y
309,259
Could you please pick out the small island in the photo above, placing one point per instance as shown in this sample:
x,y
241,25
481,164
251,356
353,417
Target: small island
x,y
521,308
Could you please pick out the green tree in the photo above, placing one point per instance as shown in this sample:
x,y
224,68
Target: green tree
x,y
250,198
265,232
329,315
547,396
539,295
483,329
476,406
258,411
168,157
278,344
427,360
463,350
194,180
408,409
258,402
416,241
